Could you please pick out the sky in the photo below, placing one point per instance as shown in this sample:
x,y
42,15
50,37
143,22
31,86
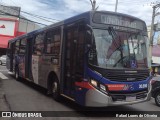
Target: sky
x,y
62,9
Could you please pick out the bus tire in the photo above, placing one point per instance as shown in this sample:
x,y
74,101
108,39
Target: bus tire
x,y
157,98
55,87
17,74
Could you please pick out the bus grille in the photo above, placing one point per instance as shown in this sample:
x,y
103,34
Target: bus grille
x,y
124,77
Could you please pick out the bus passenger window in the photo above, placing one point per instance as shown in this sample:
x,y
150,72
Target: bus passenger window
x,y
22,46
39,44
80,50
53,42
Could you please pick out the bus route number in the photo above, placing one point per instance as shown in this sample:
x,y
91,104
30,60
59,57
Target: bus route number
x,y
142,85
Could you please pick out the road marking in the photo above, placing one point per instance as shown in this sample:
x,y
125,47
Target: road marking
x,y
2,76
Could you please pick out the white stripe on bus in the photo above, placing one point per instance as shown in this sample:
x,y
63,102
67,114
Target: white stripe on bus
x,y
2,76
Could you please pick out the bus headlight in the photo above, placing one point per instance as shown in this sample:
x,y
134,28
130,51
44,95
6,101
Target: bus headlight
x,y
102,87
99,86
94,83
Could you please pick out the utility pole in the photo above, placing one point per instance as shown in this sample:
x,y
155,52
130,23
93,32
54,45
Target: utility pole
x,y
93,3
154,14
116,5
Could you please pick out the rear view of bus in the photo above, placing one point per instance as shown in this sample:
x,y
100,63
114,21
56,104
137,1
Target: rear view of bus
x,y
118,65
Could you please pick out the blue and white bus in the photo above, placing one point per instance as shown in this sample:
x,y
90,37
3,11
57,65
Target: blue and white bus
x,y
97,58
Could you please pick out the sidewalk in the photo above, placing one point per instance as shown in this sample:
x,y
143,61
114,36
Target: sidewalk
x,y
3,103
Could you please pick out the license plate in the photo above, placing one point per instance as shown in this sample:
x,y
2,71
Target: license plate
x,y
130,98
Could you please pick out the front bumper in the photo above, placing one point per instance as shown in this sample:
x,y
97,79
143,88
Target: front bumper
x,y
95,98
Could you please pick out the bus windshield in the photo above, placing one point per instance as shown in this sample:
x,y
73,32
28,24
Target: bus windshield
x,y
119,50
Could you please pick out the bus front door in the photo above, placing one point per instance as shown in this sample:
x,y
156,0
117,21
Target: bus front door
x,y
73,61
69,64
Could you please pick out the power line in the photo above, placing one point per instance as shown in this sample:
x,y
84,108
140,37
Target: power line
x,y
43,19
21,18
38,16
13,2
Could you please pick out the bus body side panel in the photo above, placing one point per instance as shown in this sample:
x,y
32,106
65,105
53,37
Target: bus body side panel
x,y
36,60
42,64
49,62
48,68
35,68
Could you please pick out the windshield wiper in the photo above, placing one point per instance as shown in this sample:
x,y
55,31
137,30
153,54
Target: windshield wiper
x,y
123,59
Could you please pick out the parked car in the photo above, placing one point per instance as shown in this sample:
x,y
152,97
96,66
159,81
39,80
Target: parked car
x,y
3,59
156,89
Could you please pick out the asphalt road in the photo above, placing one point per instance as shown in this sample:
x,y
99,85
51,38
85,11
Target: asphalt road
x,y
24,96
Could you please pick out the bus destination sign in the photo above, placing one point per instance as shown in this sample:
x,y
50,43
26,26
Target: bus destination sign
x,y
113,20
116,20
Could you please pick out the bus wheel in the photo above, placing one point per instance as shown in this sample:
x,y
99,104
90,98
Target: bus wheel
x,y
56,89
157,99
17,74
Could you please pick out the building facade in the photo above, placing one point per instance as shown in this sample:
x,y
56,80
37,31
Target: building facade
x,y
155,51
12,24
